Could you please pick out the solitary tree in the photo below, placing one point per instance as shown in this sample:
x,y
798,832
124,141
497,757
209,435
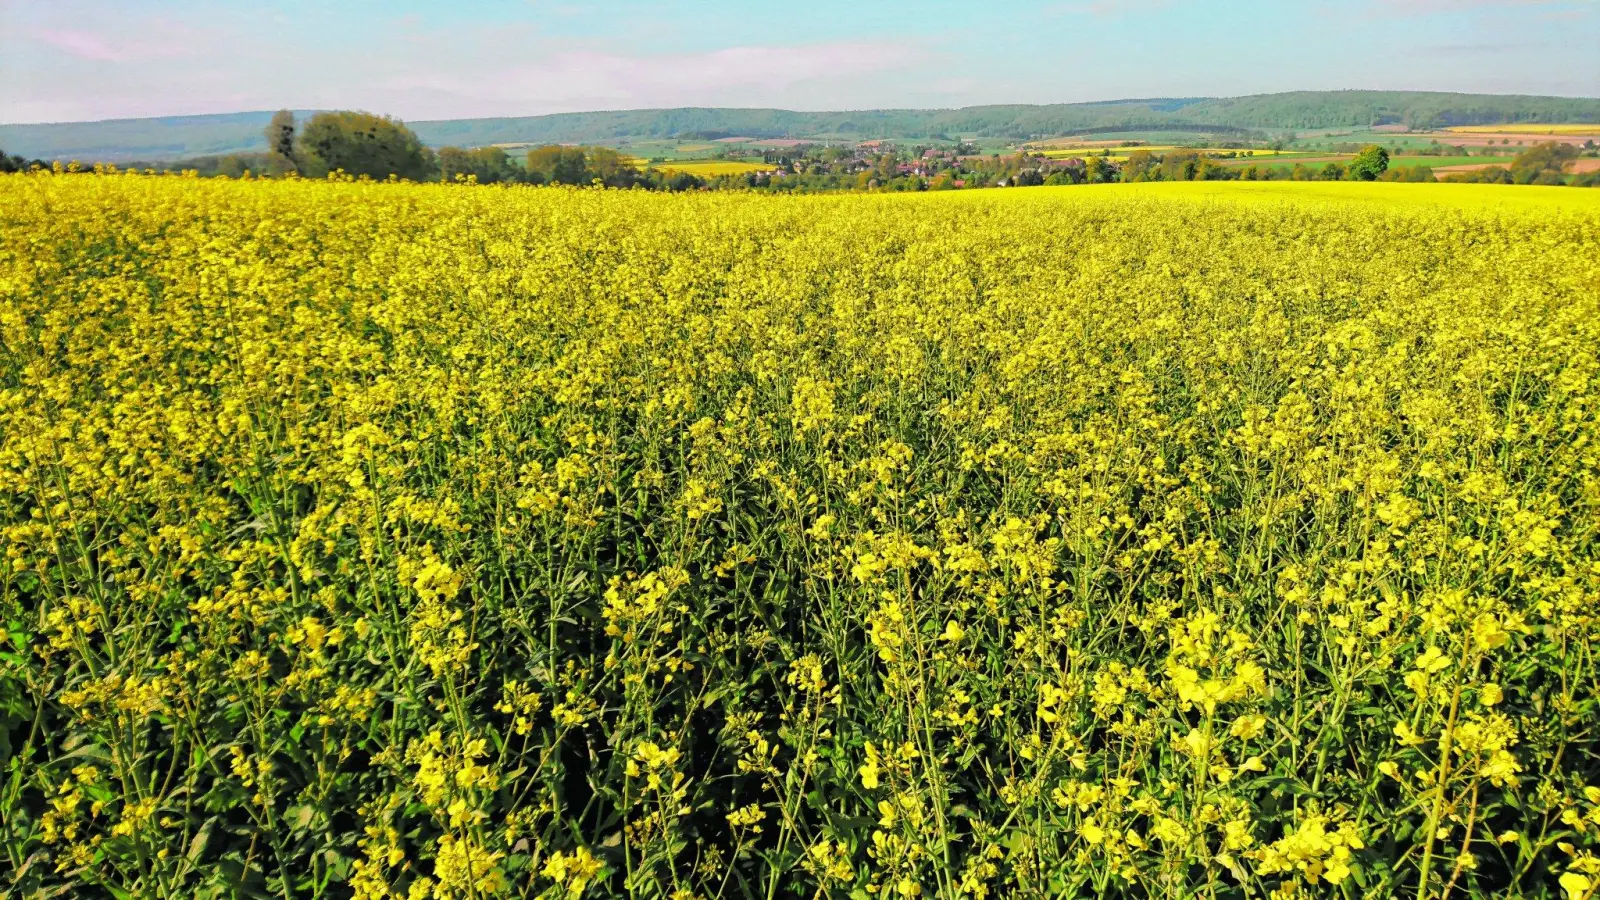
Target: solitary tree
x,y
280,134
1140,166
1183,165
610,167
1371,162
554,164
487,165
362,144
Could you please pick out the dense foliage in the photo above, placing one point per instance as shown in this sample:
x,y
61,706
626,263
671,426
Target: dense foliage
x,y
410,541
1419,109
557,164
358,144
1368,164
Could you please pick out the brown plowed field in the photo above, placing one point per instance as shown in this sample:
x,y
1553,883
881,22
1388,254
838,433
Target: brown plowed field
x,y
1578,167
1473,167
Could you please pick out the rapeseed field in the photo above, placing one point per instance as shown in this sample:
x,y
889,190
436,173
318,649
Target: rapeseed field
x,y
711,168
394,541
1528,128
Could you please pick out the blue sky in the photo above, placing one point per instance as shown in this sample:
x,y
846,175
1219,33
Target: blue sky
x,y
67,60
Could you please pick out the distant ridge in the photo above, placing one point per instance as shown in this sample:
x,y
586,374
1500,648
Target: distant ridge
x,y
179,136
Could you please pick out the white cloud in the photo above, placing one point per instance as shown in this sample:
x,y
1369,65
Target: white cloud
x,y
591,79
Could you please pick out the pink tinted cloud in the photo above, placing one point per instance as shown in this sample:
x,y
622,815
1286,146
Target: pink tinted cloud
x,y
1107,9
1440,6
169,41
1383,9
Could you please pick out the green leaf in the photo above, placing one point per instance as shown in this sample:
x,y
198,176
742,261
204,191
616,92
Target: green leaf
x,y
197,844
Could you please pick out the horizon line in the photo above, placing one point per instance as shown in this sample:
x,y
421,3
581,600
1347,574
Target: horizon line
x,y
646,109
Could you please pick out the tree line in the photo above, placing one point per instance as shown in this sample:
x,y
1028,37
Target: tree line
x,y
1544,163
360,144
364,145
19,164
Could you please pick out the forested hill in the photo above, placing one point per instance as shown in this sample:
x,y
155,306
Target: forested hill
x,y
194,135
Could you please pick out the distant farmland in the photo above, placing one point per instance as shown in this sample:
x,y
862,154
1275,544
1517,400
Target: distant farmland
x,y
1587,130
713,167
1242,117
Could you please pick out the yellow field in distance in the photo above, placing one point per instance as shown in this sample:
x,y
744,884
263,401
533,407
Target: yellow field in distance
x,y
711,168
1116,154
1527,129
